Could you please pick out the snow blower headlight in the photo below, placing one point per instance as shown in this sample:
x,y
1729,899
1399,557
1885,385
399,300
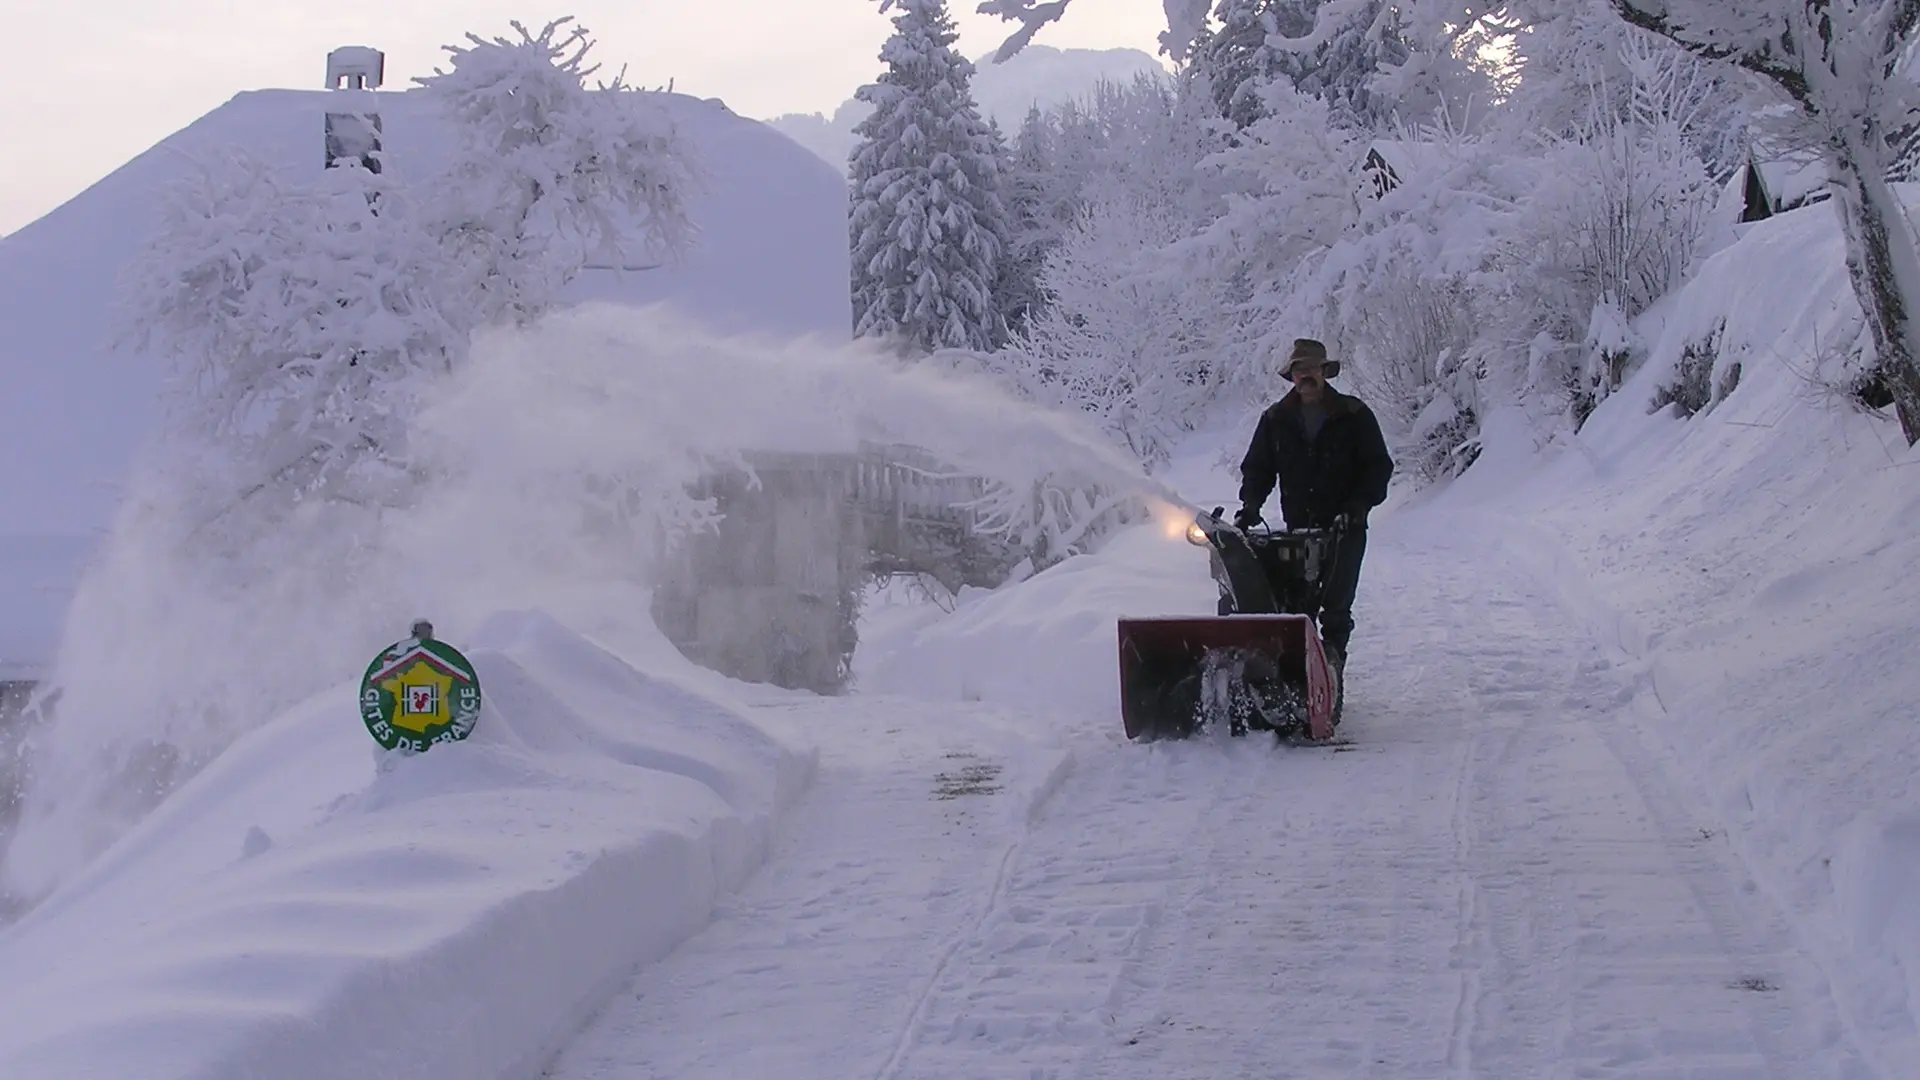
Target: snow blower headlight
x,y
1196,535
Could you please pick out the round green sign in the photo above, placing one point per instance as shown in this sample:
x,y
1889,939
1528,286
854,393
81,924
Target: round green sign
x,y
417,693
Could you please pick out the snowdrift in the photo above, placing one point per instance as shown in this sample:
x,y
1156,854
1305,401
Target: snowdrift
x,y
1753,562
771,258
306,909
1050,643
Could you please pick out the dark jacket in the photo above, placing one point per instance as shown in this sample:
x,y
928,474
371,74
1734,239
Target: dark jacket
x,y
1344,470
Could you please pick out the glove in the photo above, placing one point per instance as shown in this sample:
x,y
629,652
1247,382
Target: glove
x,y
1246,519
1351,515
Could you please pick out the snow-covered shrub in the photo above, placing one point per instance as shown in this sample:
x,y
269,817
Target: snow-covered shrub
x,y
299,319
1609,349
1689,388
1611,222
1124,334
1409,339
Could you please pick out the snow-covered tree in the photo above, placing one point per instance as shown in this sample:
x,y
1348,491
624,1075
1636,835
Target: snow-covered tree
x,y
302,317
1846,65
550,175
299,319
1346,67
1293,180
1237,59
1031,229
1342,66
1126,334
928,226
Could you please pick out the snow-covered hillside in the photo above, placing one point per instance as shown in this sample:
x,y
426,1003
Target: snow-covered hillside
x,y
771,259
1749,565
1037,75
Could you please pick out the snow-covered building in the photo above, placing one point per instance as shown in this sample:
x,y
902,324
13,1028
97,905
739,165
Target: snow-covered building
x,y
1775,185
771,258
1390,162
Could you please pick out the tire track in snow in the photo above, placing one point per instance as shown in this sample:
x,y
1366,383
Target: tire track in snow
x,y
1497,883
1038,980
805,972
917,1014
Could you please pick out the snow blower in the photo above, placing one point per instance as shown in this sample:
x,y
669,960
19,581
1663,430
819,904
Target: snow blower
x,y
1259,664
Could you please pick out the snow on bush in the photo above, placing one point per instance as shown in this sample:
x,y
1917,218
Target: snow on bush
x,y
1123,335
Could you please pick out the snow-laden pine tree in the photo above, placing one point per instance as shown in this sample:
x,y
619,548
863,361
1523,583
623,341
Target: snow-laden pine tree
x,y
1237,59
1031,230
1341,60
550,175
928,225
1345,66
1847,66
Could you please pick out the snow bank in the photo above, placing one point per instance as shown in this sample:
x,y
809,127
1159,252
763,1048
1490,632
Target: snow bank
x,y
1753,562
1048,644
305,909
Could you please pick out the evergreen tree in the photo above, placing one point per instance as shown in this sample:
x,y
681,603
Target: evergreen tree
x,y
1342,69
1339,66
928,224
1031,230
1237,58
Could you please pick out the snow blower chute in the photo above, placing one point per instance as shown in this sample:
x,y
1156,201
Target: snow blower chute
x,y
1259,664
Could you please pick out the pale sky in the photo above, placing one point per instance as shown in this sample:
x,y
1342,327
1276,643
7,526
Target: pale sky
x,y
91,83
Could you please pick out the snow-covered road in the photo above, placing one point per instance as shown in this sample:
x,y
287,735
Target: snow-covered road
x,y
1496,880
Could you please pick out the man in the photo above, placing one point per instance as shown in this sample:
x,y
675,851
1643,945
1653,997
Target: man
x,y
1325,451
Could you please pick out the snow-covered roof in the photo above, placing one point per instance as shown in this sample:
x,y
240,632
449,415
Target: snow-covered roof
x,y
1408,158
1792,181
37,577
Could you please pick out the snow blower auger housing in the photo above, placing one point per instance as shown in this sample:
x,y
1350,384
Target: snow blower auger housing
x,y
1258,665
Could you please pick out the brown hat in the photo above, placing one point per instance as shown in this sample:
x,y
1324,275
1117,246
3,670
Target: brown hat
x,y
1311,351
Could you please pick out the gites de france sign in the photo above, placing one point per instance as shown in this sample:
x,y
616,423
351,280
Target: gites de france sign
x,y
419,692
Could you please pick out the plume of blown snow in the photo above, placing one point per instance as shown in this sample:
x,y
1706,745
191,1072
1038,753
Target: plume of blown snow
x,y
554,470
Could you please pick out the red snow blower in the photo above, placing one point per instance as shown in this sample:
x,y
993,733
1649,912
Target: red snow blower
x,y
1258,665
